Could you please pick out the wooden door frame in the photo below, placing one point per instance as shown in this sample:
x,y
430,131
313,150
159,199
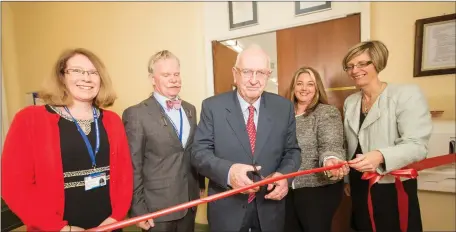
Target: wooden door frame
x,y
365,35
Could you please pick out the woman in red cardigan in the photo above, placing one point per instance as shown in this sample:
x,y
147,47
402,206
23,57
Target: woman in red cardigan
x,y
66,165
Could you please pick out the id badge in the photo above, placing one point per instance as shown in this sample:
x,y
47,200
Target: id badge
x,y
95,180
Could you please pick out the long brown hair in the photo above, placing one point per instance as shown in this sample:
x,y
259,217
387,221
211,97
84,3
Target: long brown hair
x,y
320,94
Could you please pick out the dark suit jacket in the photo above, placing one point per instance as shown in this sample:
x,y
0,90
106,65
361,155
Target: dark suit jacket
x,y
163,176
221,140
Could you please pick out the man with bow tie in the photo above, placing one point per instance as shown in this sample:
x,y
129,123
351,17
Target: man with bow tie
x,y
160,132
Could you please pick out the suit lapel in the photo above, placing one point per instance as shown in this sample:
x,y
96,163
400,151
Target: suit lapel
x,y
375,111
264,126
372,116
353,114
154,109
236,121
190,116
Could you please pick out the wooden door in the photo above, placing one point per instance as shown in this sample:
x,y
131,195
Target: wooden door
x,y
224,59
321,46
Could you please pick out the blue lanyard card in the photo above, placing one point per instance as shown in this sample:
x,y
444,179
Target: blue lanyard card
x,y
95,180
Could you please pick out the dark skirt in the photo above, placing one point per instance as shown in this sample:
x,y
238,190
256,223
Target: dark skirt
x,y
311,209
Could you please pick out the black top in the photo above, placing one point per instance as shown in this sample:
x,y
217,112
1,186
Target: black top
x,y
361,120
85,209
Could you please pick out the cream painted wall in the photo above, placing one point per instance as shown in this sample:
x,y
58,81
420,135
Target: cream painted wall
x,y
438,210
123,34
10,68
394,24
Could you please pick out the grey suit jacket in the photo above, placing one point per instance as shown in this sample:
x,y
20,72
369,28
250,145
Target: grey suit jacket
x,y
221,140
163,176
399,125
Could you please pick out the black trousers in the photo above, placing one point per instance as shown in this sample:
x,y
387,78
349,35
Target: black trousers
x,y
185,224
384,201
251,222
312,209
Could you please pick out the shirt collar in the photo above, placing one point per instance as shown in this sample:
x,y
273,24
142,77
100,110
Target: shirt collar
x,y
245,105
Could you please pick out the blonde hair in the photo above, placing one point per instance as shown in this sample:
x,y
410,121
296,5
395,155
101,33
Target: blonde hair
x,y
320,94
54,91
161,55
377,51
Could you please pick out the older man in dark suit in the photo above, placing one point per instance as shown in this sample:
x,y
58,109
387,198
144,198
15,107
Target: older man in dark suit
x,y
237,131
160,132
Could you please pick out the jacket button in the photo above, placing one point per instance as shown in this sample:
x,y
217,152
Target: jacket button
x,y
244,206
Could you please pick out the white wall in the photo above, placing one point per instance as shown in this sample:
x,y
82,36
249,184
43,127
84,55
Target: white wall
x,y
272,16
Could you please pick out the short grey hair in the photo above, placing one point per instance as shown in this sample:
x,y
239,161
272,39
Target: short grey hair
x,y
161,55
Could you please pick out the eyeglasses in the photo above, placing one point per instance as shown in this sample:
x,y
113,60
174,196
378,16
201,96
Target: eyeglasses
x,y
248,73
361,64
77,72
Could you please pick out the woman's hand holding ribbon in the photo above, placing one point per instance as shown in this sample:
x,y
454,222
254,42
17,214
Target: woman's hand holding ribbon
x,y
367,162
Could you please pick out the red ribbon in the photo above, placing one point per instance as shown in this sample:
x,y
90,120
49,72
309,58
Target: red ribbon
x,y
410,171
270,180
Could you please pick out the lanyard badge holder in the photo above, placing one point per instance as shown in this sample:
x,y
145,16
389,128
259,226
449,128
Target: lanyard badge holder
x,y
96,179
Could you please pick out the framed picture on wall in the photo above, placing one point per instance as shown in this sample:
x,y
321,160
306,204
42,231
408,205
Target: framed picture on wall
x,y
435,40
303,8
242,14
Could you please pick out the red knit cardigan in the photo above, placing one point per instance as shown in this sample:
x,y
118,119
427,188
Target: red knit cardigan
x,y
32,172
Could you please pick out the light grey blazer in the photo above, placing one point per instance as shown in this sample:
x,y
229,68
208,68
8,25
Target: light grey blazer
x,y
398,125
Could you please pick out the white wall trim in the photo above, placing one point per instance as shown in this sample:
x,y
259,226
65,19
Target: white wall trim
x,y
360,7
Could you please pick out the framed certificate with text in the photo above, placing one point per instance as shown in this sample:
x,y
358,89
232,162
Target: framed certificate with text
x,y
435,40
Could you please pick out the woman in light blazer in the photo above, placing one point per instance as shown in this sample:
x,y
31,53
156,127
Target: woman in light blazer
x,y
387,127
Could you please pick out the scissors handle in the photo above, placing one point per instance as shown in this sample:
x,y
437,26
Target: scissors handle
x,y
257,173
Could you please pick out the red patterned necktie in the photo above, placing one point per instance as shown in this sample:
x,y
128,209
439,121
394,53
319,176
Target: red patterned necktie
x,y
170,104
252,138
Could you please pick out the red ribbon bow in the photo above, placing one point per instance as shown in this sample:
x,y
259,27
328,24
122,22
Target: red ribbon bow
x,y
410,171
402,197
176,104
